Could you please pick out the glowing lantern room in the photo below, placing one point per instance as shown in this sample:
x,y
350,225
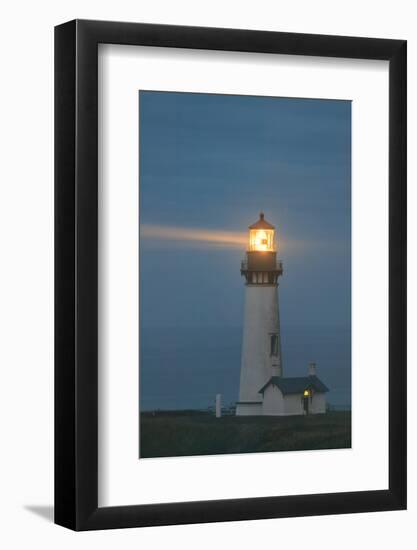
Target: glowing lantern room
x,y
261,235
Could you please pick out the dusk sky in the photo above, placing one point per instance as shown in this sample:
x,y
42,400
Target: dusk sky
x,y
208,165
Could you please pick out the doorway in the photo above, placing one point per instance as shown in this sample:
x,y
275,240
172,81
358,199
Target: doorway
x,y
306,401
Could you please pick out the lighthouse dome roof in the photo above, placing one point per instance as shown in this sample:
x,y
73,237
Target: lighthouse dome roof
x,y
261,223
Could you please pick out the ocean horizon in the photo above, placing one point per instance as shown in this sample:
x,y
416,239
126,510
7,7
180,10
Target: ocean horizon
x,y
185,367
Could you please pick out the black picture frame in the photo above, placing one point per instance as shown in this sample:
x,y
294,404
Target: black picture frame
x,y
76,272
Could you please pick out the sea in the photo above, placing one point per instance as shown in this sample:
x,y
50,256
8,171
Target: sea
x,y
184,367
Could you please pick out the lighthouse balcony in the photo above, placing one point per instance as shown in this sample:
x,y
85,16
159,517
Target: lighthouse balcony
x,y
247,267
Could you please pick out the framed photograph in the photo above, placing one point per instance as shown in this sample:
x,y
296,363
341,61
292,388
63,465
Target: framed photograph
x,y
230,275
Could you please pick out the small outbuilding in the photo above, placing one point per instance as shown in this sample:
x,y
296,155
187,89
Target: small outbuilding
x,y
293,396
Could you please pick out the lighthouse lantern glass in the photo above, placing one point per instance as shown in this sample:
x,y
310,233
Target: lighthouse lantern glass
x,y
261,239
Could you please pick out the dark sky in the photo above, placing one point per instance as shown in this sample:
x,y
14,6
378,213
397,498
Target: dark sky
x,y
208,165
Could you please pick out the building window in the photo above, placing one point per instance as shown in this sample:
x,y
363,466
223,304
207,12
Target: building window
x,y
274,344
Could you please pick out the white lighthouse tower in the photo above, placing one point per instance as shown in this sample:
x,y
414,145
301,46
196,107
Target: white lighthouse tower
x,y
261,348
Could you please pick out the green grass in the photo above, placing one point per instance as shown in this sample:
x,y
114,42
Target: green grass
x,y
188,433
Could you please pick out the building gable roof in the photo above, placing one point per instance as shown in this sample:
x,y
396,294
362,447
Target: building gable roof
x,y
296,384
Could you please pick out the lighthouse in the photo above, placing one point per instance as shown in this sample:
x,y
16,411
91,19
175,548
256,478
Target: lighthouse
x,y
263,388
261,346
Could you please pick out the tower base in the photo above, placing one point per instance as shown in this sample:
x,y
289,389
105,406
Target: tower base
x,y
249,408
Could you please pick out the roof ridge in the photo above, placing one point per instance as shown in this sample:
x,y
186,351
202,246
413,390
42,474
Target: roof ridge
x,y
289,384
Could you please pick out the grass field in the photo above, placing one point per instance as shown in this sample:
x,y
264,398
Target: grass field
x,y
189,433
